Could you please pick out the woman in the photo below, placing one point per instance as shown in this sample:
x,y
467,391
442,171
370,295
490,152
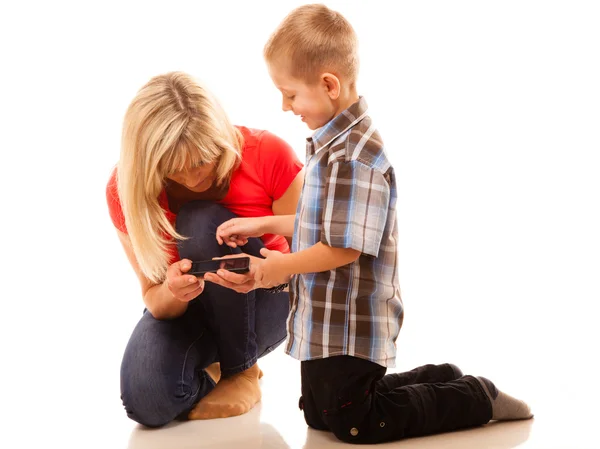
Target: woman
x,y
184,170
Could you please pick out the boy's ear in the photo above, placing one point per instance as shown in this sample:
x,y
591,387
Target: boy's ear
x,y
332,85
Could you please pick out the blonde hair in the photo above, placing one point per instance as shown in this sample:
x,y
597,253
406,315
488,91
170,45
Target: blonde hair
x,y
172,123
313,39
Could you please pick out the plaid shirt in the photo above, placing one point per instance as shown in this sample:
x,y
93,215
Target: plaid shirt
x,y
348,201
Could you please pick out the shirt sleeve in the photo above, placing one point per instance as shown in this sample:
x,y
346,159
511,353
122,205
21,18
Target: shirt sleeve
x,y
279,164
356,207
114,203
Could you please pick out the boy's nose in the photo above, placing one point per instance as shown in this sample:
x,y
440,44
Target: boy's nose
x,y
285,106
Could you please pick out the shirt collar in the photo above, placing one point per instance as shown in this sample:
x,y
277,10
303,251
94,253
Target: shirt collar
x,y
348,118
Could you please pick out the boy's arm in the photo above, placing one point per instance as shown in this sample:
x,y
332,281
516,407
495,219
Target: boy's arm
x,y
277,268
318,258
279,225
288,203
354,215
237,231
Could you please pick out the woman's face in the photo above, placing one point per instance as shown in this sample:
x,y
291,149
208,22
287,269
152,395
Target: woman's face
x,y
197,179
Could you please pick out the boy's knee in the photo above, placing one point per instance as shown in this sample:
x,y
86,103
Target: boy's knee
x,y
361,434
347,434
363,425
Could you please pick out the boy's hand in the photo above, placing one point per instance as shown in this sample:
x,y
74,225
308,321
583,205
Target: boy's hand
x,y
270,272
239,282
235,232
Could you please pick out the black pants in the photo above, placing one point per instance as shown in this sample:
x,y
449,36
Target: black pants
x,y
354,399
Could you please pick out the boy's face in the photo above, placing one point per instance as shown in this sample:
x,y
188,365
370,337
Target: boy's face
x,y
311,102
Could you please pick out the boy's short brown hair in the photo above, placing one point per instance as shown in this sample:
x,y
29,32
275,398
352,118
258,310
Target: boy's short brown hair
x,y
314,39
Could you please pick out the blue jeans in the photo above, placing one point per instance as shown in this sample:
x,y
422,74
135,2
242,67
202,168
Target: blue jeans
x,y
162,372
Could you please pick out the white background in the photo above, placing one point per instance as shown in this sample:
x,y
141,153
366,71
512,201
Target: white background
x,y
490,113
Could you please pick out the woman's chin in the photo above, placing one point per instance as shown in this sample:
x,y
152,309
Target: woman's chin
x,y
201,188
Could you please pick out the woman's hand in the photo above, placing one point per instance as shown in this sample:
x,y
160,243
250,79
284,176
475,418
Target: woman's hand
x,y
237,231
239,282
183,287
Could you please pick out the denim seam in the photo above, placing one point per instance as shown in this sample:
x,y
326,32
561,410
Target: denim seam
x,y
247,326
249,363
271,348
181,383
239,368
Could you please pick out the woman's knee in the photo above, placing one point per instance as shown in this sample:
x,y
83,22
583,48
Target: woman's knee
x,y
140,403
152,397
198,221
201,216
159,379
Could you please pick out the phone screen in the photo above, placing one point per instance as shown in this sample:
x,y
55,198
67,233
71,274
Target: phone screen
x,y
238,265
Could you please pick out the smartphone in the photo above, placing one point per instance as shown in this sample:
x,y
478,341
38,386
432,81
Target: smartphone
x,y
237,265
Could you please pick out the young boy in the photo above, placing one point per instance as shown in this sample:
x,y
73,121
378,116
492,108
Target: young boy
x,y
346,308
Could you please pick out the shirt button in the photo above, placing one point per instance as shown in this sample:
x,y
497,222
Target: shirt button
x,y
354,431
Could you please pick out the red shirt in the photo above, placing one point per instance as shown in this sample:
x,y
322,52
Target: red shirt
x,y
268,167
